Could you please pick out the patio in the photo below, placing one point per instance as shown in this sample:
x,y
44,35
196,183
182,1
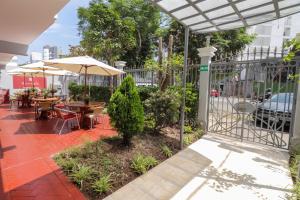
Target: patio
x,y
27,170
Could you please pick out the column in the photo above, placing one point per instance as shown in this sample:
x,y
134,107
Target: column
x,y
295,140
205,54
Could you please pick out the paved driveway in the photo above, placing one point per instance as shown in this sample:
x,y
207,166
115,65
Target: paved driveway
x,y
27,171
215,168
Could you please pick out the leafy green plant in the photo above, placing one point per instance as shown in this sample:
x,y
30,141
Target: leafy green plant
x,y
166,151
145,91
126,111
188,129
81,174
293,46
73,152
141,164
163,108
102,185
68,165
188,139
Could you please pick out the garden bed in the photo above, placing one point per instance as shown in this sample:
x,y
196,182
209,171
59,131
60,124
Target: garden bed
x,y
102,167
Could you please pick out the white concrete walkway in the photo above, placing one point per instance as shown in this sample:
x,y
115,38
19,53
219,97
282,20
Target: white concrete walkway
x,y
215,168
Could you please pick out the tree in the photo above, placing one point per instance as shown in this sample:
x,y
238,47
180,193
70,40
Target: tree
x,y
146,19
77,50
231,41
106,34
126,110
119,29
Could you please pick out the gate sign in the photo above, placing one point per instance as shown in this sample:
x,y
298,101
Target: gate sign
x,y
37,82
203,68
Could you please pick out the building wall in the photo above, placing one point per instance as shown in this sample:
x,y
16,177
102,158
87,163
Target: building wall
x,y
274,33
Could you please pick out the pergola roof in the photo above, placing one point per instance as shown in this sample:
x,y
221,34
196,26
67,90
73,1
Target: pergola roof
x,y
216,15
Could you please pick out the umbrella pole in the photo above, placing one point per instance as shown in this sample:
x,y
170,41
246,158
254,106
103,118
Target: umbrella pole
x,y
44,79
32,81
52,85
85,75
24,80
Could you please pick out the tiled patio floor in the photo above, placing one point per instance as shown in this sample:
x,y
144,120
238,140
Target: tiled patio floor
x,y
26,146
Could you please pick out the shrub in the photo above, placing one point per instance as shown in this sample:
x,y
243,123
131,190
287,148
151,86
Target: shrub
x,y
188,129
76,91
145,91
98,93
141,164
163,108
191,100
102,185
126,111
83,173
166,151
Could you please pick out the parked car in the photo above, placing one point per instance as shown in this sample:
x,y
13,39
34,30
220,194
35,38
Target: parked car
x,y
267,95
214,93
277,109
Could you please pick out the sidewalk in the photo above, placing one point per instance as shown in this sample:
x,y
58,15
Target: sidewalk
x,y
215,168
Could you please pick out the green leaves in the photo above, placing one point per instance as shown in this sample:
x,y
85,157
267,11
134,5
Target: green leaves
x,y
126,111
119,29
141,164
294,46
102,185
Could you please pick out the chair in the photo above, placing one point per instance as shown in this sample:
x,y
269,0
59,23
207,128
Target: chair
x,y
65,116
12,101
97,112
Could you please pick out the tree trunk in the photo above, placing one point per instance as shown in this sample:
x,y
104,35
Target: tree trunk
x,y
160,61
167,80
126,139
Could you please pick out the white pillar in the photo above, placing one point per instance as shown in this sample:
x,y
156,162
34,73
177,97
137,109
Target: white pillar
x,y
119,65
295,141
205,54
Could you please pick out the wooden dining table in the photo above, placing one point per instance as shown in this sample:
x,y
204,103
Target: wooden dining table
x,y
38,100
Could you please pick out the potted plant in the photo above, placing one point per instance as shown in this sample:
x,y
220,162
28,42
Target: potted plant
x,y
45,93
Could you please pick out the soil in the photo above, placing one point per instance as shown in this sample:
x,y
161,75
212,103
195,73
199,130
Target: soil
x,y
111,157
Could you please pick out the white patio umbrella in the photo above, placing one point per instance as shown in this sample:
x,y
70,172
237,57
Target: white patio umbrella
x,y
39,66
84,65
25,72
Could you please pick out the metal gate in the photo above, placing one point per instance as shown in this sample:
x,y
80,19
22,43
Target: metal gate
x,y
253,100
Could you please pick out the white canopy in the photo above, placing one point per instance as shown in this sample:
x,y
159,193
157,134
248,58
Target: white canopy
x,y
22,71
38,66
31,72
215,15
78,65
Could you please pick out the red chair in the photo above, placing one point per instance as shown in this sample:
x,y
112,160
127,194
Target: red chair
x,y
65,116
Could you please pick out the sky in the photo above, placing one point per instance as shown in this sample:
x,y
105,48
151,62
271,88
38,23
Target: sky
x,y
62,33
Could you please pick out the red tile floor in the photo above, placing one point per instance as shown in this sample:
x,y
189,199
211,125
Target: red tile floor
x,y
27,171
